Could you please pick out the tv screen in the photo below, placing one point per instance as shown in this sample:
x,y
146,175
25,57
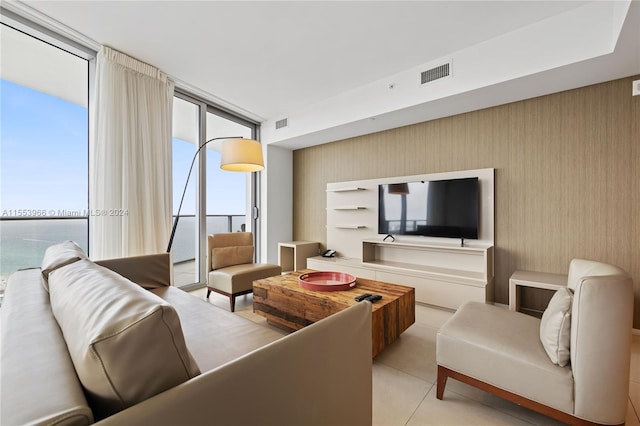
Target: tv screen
x,y
438,208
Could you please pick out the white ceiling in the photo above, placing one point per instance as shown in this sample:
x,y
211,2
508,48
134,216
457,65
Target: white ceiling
x,y
270,59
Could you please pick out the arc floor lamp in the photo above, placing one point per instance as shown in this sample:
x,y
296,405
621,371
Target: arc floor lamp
x,y
237,155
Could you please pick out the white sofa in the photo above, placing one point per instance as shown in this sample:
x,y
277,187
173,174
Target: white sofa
x,y
214,367
501,351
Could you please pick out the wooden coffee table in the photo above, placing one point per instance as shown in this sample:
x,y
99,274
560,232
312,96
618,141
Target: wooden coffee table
x,y
286,305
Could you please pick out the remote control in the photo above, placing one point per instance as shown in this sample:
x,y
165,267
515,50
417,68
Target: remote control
x,y
373,298
362,297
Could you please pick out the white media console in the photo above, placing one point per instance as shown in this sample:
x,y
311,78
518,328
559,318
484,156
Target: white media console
x,y
442,272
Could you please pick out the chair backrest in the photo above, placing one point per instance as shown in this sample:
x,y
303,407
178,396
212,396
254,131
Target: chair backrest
x,y
601,324
233,248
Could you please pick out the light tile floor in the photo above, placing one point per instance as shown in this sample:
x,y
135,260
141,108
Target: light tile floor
x,y
404,376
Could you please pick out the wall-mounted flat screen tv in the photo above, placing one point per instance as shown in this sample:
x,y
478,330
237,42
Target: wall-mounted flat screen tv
x,y
439,208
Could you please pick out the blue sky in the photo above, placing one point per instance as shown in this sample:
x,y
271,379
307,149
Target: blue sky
x,y
43,155
44,158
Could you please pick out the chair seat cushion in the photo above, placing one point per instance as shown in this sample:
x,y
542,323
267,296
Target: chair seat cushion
x,y
237,278
503,348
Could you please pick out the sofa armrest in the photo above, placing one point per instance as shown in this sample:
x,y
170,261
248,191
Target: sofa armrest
x,y
319,375
149,271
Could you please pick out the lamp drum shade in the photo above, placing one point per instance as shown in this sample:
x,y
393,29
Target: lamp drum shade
x,y
241,155
399,188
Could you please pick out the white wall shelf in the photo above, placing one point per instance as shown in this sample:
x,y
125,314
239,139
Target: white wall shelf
x,y
346,189
349,208
349,226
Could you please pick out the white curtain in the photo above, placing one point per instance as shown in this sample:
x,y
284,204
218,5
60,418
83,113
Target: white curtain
x,y
130,165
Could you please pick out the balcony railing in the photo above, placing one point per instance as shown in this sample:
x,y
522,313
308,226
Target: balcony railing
x,y
184,247
23,240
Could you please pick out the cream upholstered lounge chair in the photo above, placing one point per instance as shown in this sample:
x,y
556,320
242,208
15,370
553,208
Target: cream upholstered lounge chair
x,y
500,351
231,268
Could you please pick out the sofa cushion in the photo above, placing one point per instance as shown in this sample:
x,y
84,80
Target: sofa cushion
x,y
59,255
227,256
126,343
555,327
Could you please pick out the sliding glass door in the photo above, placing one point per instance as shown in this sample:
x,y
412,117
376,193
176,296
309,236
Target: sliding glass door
x,y
215,200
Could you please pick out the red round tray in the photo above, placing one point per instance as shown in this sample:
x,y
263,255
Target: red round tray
x,y
327,281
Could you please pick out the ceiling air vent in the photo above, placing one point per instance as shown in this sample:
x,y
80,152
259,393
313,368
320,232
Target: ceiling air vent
x,y
282,123
435,73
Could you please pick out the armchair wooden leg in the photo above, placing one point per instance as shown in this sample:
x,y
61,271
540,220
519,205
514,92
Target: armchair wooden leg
x,y
231,296
444,373
442,382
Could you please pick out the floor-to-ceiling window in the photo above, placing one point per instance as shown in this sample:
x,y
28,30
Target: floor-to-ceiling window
x,y
44,136
215,200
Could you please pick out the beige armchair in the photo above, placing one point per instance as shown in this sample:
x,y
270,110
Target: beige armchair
x,y
501,351
231,270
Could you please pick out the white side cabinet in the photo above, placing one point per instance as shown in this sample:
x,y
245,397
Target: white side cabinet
x,y
543,280
292,255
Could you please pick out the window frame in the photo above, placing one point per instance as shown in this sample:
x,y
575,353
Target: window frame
x,y
47,36
16,22
205,107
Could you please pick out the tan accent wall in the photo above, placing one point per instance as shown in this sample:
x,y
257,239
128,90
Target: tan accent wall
x,y
567,177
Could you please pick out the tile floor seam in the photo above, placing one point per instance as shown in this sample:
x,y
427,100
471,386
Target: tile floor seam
x,y
492,407
406,372
635,410
419,404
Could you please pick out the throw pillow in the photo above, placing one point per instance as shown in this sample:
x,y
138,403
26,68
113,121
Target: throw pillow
x,y
125,342
555,327
59,255
227,256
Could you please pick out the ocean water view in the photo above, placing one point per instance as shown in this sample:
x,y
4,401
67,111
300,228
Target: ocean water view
x,y
23,242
